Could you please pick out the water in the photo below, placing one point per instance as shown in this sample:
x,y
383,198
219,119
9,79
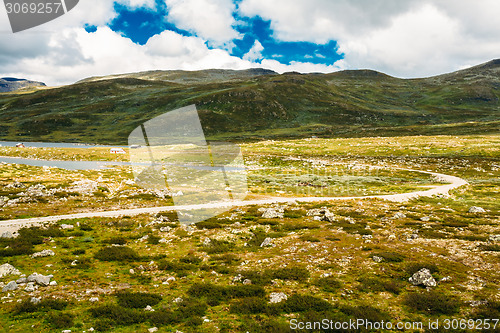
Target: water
x,y
68,165
53,144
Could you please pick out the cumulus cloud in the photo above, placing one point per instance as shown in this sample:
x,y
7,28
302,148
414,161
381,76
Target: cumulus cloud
x,y
209,19
404,38
255,52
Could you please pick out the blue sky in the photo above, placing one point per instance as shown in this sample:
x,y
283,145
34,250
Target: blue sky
x,y
140,24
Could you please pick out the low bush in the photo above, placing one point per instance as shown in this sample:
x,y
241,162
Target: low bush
x,y
414,267
432,302
250,305
46,304
218,246
328,284
164,317
117,253
181,268
309,238
378,285
228,258
118,315
390,256
120,240
291,273
191,259
153,239
367,312
490,247
302,303
137,300
60,319
78,252
215,294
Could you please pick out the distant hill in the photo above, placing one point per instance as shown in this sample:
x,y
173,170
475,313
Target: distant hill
x,y
12,84
256,103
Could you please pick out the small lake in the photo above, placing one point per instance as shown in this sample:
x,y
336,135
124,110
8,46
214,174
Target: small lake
x,y
53,144
68,165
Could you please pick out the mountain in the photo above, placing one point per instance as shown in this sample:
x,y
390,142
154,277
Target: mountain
x,y
12,84
257,103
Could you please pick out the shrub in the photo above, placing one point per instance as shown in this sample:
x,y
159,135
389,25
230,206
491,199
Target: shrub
x,y
164,317
85,227
181,268
366,312
78,251
291,273
218,246
250,305
379,285
47,304
228,258
328,284
115,240
390,256
301,303
414,267
258,278
215,294
432,302
191,259
118,315
192,308
490,247
153,239
137,300
60,319
309,238
117,253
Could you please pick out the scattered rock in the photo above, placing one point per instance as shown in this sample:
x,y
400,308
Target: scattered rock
x,y
153,329
16,184
35,300
40,279
30,287
44,253
377,259
494,238
247,281
476,209
131,271
149,308
277,297
178,300
237,278
21,280
8,269
272,213
67,226
425,219
94,299
399,215
267,242
53,283
12,285
423,277
66,331
7,234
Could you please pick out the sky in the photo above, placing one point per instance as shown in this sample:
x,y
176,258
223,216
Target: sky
x,y
402,38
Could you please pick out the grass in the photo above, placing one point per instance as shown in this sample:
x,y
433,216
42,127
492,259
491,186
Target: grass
x,y
228,281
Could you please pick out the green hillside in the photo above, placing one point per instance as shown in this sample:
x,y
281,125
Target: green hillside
x,y
257,103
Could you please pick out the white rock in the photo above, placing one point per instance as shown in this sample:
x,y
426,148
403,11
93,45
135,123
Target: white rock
x,y
494,238
267,242
399,215
7,234
277,297
131,271
12,285
8,269
476,209
44,253
423,277
30,287
149,308
53,283
377,259
178,300
94,299
153,329
67,226
40,279
271,213
35,300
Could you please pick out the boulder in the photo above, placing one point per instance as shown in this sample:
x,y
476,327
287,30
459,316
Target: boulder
x,y
272,213
12,285
476,209
399,215
267,242
44,253
40,279
8,269
277,297
423,277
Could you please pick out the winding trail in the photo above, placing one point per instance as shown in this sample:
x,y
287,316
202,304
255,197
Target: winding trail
x,y
454,182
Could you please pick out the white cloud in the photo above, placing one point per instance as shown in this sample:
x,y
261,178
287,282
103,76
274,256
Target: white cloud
x,y
209,19
255,52
403,38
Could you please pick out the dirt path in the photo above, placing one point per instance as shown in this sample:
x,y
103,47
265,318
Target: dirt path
x,y
455,182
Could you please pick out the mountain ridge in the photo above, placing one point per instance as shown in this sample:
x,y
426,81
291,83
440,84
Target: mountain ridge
x,y
257,103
